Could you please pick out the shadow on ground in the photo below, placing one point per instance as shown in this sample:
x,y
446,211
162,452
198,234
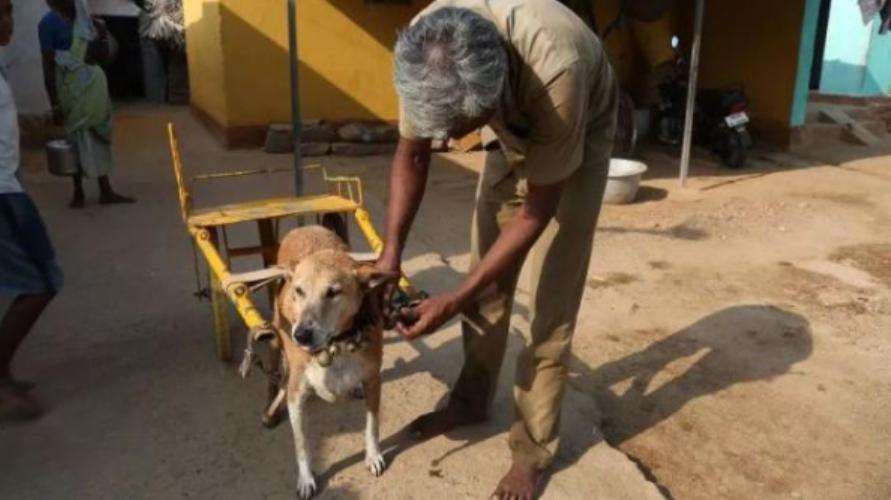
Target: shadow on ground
x,y
735,345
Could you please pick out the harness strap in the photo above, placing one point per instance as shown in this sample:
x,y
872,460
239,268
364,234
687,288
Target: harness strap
x,y
254,279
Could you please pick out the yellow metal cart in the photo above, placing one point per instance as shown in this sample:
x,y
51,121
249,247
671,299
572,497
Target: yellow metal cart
x,y
207,227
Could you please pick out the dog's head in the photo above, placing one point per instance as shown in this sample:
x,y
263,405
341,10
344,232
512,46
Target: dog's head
x,y
323,295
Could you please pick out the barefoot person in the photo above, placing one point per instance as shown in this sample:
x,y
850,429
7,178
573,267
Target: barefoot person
x,y
536,75
28,269
73,43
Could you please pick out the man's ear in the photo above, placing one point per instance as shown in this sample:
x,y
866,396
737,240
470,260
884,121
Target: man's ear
x,y
371,277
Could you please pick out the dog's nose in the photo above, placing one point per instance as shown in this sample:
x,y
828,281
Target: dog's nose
x,y
303,334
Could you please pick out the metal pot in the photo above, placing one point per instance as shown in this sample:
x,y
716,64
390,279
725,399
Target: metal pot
x,y
61,158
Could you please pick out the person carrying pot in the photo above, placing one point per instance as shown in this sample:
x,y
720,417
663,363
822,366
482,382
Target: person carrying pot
x,y
73,44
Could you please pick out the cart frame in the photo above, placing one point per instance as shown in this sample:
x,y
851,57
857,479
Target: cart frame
x,y
207,228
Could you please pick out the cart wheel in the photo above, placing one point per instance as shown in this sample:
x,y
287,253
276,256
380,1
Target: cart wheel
x,y
338,224
220,319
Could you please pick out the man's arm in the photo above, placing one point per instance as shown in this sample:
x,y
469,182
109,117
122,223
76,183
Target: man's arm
x,y
507,253
510,249
408,181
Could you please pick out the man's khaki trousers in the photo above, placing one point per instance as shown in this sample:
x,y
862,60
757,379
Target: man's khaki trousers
x,y
559,264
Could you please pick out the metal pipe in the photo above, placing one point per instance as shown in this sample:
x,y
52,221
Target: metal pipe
x,y
691,93
296,122
240,173
219,271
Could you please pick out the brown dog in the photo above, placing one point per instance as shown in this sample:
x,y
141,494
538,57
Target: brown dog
x,y
330,337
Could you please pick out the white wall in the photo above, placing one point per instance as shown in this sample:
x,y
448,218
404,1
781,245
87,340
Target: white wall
x,y
21,58
111,7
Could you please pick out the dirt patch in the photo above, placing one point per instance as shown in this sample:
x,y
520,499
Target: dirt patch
x,y
739,218
855,200
872,258
659,265
809,287
611,280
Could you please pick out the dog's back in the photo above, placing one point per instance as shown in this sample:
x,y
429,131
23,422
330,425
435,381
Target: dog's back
x,y
305,241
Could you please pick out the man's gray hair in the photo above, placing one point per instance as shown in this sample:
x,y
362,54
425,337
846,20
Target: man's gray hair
x,y
450,65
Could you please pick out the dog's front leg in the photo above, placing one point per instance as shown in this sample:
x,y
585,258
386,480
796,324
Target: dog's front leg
x,y
306,483
374,459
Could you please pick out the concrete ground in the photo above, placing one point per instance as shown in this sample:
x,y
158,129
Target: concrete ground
x,y
733,343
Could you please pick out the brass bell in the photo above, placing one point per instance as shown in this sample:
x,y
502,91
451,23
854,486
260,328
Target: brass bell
x,y
352,346
334,349
324,359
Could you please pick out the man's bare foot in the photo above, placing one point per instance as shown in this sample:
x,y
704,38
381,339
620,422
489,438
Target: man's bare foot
x,y
77,202
16,403
440,422
115,199
520,483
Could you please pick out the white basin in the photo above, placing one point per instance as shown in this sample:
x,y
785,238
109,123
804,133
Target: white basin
x,y
624,181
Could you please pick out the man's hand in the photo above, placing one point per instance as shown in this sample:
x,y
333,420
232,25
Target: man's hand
x,y
428,316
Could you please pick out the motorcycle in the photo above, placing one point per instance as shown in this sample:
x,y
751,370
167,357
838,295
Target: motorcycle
x,y
719,120
721,124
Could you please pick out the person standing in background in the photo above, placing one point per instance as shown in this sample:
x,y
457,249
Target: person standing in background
x,y
28,268
73,43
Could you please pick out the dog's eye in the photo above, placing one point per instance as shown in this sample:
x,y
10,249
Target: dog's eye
x,y
299,291
333,292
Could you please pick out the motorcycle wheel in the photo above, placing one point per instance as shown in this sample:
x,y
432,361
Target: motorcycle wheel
x,y
733,151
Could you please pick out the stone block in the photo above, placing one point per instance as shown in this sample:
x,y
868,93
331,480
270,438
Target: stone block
x,y
314,149
362,149
368,132
279,136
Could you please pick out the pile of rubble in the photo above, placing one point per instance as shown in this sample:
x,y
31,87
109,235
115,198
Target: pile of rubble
x,y
320,138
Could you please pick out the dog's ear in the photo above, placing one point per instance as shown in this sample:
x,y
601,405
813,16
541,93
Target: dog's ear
x,y
371,277
281,274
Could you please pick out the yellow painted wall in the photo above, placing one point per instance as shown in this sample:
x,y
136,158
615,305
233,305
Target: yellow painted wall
x,y
620,46
240,70
205,53
755,43
239,56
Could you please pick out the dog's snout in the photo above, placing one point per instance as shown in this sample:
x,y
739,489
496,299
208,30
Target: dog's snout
x,y
303,337
304,333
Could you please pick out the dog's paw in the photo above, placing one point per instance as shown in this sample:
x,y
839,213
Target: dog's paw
x,y
306,487
271,422
376,464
